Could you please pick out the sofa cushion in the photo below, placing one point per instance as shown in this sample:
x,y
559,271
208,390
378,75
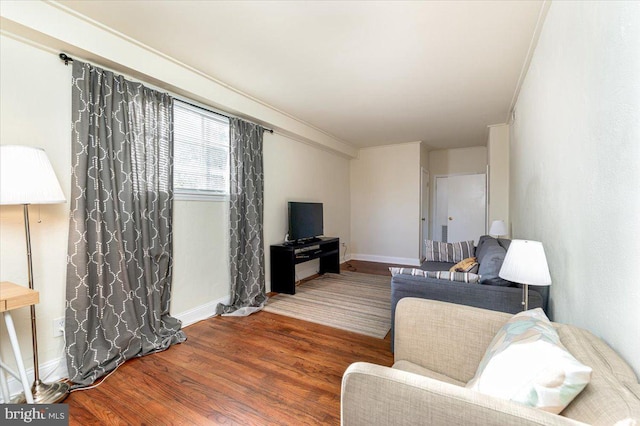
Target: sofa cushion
x,y
484,244
436,266
504,243
490,255
526,363
463,277
448,252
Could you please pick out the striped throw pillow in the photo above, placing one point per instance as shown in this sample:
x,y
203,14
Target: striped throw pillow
x,y
463,277
437,251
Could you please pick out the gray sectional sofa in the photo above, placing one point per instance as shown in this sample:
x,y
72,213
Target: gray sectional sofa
x,y
493,292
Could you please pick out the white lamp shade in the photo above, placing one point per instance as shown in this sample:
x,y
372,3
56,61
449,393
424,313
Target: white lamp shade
x,y
26,177
498,228
525,263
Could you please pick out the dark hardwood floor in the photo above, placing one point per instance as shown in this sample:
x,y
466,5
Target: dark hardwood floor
x,y
264,369
371,267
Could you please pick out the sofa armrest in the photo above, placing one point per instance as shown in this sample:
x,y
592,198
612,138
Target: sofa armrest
x,y
495,298
443,337
376,395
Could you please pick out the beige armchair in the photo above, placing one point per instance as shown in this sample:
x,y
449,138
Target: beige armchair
x,y
438,347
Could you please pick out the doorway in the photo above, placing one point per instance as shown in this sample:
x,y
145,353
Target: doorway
x,y
460,210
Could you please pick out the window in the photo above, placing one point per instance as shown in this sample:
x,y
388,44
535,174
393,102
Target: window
x,y
200,153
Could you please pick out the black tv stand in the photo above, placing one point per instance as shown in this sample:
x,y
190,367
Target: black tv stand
x,y
306,241
285,257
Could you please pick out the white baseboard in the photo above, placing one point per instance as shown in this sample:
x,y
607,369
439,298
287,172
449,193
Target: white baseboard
x,y
201,312
386,259
56,369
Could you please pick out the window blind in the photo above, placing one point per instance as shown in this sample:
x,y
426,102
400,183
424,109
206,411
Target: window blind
x,y
201,151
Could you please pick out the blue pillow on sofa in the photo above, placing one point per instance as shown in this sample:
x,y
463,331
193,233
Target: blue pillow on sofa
x,y
490,254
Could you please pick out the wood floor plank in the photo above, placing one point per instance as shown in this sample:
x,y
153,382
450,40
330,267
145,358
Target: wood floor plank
x,y
259,370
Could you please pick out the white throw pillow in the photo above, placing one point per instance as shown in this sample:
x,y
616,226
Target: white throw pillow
x,y
526,363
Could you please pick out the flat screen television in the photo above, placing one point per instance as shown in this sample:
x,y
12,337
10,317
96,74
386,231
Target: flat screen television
x,y
305,221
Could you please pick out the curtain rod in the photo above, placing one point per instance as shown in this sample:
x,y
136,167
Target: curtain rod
x,y
68,59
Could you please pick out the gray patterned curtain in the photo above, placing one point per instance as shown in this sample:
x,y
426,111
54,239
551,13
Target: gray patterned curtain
x,y
120,232
246,207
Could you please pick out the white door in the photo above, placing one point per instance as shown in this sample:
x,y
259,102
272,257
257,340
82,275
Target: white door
x,y
440,222
463,209
424,209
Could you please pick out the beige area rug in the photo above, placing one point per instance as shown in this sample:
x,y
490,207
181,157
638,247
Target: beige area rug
x,y
349,301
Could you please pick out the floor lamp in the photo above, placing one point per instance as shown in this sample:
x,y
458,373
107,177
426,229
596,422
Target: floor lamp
x,y
526,264
26,177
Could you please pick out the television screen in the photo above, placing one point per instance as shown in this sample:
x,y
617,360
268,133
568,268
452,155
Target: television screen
x,y
305,220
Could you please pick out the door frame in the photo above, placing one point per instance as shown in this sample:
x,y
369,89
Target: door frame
x,y
424,213
434,198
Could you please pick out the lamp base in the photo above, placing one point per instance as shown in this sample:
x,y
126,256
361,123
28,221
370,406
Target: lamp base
x,y
525,296
46,393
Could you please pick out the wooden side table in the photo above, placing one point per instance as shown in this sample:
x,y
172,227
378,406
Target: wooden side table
x,y
13,296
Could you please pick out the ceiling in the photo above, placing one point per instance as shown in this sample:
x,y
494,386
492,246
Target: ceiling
x,y
368,73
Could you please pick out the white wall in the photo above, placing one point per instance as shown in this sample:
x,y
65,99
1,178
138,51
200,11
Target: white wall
x,y
36,110
385,204
201,256
458,161
424,155
299,172
498,159
575,166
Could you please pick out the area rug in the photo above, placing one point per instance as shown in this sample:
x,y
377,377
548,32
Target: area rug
x,y
349,301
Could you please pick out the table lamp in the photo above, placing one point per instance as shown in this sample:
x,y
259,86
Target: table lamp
x,y
26,177
498,228
526,264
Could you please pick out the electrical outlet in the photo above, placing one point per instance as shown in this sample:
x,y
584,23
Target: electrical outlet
x,y
344,244
58,327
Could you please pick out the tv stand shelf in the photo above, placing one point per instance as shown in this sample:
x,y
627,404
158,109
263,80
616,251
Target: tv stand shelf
x,y
285,257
